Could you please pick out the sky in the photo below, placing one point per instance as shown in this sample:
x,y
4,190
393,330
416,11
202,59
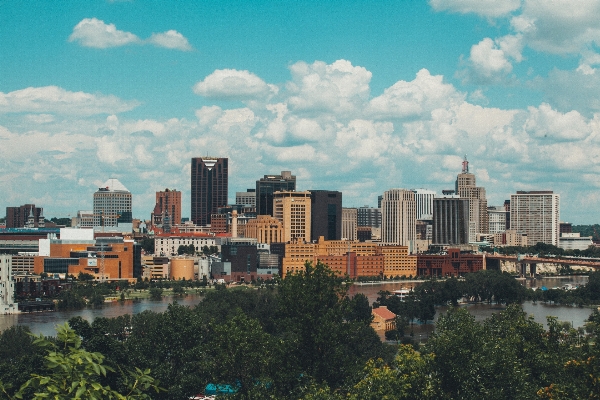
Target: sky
x,y
355,96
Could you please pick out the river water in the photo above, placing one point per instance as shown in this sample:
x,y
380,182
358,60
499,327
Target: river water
x,y
46,322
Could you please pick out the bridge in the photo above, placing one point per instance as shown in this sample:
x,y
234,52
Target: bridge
x,y
530,265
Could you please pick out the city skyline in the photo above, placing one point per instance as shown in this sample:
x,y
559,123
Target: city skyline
x,y
354,97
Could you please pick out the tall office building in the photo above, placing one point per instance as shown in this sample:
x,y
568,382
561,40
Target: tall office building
x,y
497,219
112,204
168,207
246,199
326,214
349,224
536,213
466,187
424,199
368,216
25,216
293,209
398,217
450,221
269,184
209,189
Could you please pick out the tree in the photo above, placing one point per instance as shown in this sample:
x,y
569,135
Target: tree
x,y
155,293
407,377
85,277
72,372
320,345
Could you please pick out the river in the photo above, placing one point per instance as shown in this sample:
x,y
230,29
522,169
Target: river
x,y
46,322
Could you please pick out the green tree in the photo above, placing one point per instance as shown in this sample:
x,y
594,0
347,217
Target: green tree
x,y
320,345
85,277
407,377
74,373
155,293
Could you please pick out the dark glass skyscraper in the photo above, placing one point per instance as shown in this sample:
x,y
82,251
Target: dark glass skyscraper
x,y
209,187
326,214
265,187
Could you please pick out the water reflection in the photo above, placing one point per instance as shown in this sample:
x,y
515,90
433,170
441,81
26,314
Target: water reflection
x,y
45,323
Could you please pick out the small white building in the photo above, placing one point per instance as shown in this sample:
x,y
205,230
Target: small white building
x,y
7,286
574,241
168,245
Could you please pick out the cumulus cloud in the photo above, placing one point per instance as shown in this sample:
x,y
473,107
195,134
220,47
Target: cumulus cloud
x,y
417,98
339,87
234,85
416,131
92,32
560,26
490,61
485,8
53,99
545,122
170,40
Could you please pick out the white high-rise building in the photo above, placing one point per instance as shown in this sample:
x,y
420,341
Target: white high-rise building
x,y
398,217
537,214
112,205
7,286
496,219
349,223
424,199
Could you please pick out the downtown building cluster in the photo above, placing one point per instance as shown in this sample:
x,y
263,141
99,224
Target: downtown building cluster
x,y
275,228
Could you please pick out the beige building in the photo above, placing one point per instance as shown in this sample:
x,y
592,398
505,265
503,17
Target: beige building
x,y
265,229
296,255
537,214
293,209
466,187
398,217
397,261
514,238
112,205
349,223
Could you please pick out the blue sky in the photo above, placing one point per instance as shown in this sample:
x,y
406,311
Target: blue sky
x,y
354,96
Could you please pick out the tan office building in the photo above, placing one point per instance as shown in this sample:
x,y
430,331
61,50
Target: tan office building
x,y
265,229
398,217
293,209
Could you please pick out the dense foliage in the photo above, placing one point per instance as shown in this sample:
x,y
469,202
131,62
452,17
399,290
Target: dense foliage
x,y
307,339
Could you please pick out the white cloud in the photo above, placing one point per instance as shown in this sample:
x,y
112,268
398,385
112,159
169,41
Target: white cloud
x,y
413,135
53,99
415,99
234,84
339,87
544,122
560,26
485,8
170,40
92,32
490,61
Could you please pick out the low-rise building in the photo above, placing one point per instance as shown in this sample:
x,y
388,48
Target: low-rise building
x,y
453,263
383,319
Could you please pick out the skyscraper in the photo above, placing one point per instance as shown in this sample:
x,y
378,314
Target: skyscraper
x,y
27,215
536,213
398,217
450,221
112,204
467,188
424,199
293,210
168,208
209,189
326,214
269,184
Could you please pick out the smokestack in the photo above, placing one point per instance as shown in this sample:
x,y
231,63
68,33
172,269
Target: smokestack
x,y
234,224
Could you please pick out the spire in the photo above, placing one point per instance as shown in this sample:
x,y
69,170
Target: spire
x,y
465,166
